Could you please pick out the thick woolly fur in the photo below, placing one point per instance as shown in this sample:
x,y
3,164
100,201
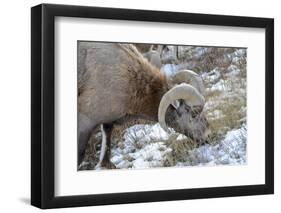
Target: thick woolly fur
x,y
116,82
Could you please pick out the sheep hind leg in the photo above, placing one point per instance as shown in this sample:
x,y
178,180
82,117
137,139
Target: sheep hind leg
x,y
105,153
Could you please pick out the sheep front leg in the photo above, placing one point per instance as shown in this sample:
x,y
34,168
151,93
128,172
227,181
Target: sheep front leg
x,y
105,153
85,128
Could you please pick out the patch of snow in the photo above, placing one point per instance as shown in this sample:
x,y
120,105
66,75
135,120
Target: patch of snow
x,y
139,149
181,137
148,151
231,151
221,85
212,76
232,69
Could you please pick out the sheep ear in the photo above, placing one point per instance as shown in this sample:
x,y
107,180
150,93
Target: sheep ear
x,y
175,104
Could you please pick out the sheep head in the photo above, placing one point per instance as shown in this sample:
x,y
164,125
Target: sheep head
x,y
181,107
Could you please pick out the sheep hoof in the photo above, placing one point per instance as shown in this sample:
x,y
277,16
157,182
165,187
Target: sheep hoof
x,y
108,165
105,165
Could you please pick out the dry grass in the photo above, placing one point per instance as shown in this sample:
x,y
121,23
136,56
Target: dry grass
x,y
230,114
226,111
179,148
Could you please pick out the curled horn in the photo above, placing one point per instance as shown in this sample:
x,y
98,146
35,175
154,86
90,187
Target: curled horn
x,y
184,91
189,77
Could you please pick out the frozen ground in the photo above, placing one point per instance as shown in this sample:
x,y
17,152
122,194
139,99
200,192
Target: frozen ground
x,y
145,146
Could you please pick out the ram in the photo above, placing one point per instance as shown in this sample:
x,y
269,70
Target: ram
x,y
116,84
153,57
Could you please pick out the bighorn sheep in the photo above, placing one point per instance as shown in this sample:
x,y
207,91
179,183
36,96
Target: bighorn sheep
x,y
116,83
153,57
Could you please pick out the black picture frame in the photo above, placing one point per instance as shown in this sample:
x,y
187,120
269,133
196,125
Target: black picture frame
x,y
43,102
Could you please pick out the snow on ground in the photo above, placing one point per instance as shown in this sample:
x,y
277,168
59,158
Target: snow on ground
x,y
145,147
211,77
231,151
